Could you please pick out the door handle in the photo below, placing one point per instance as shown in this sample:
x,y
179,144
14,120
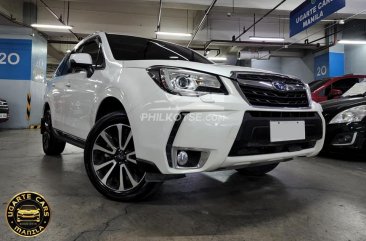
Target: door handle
x,y
68,85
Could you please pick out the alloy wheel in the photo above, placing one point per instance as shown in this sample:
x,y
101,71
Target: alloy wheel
x,y
114,160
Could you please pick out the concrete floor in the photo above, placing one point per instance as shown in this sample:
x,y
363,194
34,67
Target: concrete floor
x,y
306,199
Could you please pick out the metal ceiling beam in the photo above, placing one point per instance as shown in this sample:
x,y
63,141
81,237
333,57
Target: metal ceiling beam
x,y
228,43
159,18
55,41
202,21
256,22
58,18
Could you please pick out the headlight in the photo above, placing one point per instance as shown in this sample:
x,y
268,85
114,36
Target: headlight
x,y
354,114
186,82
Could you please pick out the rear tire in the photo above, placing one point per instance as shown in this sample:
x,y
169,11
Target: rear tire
x,y
111,163
257,170
52,146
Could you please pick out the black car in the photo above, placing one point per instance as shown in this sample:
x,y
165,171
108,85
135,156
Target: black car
x,y
4,111
346,120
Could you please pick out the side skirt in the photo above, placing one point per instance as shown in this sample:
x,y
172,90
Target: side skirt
x,y
73,140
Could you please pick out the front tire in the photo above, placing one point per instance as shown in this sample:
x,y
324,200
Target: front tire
x,y
111,163
51,145
257,170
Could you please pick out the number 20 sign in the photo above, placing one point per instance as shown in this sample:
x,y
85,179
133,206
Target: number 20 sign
x,y
12,58
15,59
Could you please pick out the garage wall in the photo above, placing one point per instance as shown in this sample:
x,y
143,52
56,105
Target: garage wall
x,y
302,68
273,64
354,54
355,59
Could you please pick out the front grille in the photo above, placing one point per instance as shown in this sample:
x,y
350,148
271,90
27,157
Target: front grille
x,y
259,90
254,134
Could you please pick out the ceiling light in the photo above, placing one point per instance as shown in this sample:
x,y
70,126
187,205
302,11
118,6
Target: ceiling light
x,y
266,39
173,34
341,22
51,26
352,41
217,58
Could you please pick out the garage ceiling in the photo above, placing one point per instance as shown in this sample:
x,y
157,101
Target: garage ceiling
x,y
139,17
352,6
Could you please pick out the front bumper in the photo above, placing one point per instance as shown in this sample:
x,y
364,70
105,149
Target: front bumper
x,y
210,125
350,136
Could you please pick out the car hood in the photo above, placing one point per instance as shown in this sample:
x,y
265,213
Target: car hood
x,y
222,70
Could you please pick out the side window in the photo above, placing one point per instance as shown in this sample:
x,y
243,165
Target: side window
x,y
322,92
92,48
62,66
327,90
344,84
95,52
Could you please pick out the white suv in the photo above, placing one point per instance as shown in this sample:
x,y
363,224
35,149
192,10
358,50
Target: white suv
x,y
146,111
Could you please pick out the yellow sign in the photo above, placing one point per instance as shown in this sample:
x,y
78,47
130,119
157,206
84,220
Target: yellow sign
x,y
28,214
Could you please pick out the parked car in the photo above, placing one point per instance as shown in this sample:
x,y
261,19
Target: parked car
x,y
4,110
346,122
145,111
333,88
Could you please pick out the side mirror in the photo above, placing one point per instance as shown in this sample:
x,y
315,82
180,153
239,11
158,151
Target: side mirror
x,y
335,93
83,61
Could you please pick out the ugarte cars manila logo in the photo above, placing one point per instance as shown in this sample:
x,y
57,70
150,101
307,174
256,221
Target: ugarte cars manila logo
x,y
28,214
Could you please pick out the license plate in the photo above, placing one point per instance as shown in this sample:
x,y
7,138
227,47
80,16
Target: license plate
x,y
3,116
287,130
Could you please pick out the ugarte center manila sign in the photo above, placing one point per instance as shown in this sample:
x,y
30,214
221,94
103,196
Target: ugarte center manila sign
x,y
311,12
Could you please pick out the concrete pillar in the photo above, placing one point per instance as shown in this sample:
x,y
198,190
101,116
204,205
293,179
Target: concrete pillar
x,y
22,73
329,63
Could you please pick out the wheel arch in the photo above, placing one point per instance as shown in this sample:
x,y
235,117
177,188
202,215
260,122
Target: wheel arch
x,y
108,105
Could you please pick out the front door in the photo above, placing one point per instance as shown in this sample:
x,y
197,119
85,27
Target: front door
x,y
82,91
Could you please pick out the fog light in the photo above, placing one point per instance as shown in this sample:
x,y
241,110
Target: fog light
x,y
347,139
182,158
344,139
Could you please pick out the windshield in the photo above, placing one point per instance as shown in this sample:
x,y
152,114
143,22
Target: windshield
x,y
356,90
135,48
317,84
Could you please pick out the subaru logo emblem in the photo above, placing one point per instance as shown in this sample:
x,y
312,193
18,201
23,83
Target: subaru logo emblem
x,y
279,85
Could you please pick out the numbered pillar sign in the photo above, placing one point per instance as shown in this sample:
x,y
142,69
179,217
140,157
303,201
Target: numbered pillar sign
x,y
329,65
322,71
12,58
15,59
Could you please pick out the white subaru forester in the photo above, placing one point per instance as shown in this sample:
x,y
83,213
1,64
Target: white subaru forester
x,y
146,111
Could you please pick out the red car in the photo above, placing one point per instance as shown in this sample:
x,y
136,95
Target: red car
x,y
327,89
